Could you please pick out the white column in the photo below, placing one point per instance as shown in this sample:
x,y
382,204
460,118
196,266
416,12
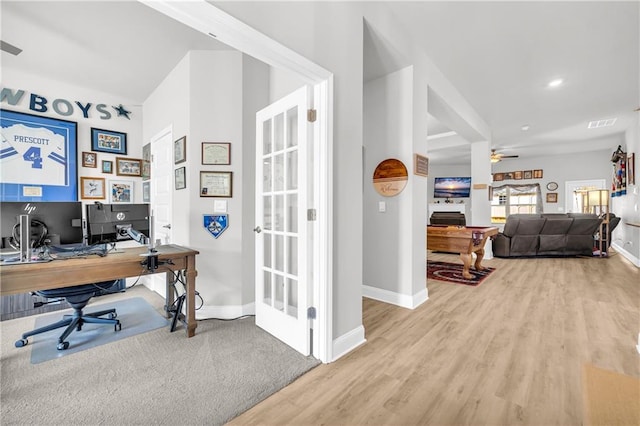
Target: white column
x,y
480,183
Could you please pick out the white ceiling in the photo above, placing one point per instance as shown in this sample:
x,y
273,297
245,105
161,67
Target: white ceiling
x,y
500,56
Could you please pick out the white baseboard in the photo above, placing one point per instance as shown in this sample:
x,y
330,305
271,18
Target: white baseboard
x,y
225,312
628,255
348,342
402,300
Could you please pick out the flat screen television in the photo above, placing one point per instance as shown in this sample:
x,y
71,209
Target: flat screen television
x,y
108,223
452,187
56,222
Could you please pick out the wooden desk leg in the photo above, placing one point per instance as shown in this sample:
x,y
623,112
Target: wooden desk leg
x,y
169,294
466,260
479,257
191,295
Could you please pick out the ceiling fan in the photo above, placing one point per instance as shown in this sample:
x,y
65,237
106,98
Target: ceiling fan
x,y
496,157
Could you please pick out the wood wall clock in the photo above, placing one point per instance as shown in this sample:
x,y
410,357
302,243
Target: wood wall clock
x,y
390,177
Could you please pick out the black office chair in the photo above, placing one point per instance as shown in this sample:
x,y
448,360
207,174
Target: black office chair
x,y
78,297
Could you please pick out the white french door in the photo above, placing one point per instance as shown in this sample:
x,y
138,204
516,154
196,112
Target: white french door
x,y
282,282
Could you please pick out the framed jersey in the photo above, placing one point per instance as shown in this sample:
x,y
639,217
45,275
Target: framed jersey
x,y
38,158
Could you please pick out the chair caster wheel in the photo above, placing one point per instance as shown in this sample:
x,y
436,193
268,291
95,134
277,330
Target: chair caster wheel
x,y
113,315
118,327
62,346
22,342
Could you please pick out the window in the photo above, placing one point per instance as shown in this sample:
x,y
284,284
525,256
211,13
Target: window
x,y
515,199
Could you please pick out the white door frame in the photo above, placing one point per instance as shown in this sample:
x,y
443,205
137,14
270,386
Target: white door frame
x,y
208,19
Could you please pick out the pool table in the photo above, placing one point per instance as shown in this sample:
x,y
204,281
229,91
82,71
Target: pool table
x,y
461,239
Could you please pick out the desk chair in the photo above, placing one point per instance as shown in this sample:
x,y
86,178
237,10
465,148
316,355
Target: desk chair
x,y
78,297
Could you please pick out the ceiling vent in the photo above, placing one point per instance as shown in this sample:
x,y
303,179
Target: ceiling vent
x,y
9,48
601,123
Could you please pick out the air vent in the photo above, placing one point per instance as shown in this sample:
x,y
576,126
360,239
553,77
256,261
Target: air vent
x,y
9,48
601,123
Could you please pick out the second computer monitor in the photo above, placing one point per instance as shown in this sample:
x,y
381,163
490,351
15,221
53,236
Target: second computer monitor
x,y
108,223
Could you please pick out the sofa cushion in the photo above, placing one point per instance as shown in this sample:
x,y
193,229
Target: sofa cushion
x,y
556,226
584,226
531,226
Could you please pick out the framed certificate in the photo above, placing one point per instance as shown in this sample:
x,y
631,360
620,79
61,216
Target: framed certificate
x,y
218,153
216,184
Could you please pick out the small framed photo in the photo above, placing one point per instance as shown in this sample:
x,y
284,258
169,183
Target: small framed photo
x,y
216,153
92,188
90,159
120,191
508,175
107,166
552,197
527,174
180,178
108,141
128,166
180,150
537,174
146,162
146,192
216,184
517,175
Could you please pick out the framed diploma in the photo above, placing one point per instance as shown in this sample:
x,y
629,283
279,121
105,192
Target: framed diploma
x,y
180,150
216,184
217,153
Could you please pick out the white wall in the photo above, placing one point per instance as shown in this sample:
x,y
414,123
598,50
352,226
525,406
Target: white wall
x,y
626,238
205,99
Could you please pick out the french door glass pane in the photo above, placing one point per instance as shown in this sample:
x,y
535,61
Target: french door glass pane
x,y
292,298
279,252
267,213
292,127
279,293
292,166
267,288
266,137
278,132
292,222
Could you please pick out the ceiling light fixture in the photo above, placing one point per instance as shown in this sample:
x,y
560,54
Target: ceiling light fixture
x,y
555,83
525,127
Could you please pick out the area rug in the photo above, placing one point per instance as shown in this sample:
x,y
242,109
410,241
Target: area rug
x,y
136,316
610,398
452,273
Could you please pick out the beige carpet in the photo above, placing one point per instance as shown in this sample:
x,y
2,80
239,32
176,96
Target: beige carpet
x,y
157,377
611,398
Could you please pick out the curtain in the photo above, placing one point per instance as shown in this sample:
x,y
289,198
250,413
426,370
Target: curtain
x,y
514,189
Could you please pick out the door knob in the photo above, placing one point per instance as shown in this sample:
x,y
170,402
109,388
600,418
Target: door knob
x,y
167,226
257,229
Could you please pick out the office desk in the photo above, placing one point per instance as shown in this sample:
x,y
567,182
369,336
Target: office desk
x,y
23,278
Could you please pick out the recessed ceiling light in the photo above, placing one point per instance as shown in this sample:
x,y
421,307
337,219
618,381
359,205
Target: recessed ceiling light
x,y
555,83
525,127
601,123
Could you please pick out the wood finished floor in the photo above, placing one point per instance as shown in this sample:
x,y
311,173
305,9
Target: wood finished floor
x,y
507,352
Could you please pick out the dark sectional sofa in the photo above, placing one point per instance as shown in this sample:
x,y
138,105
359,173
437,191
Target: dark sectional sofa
x,y
549,234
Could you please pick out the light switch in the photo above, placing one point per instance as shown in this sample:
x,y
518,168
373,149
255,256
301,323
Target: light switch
x,y
220,206
382,206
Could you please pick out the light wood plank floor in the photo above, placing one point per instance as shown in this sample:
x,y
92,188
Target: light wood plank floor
x,y
508,352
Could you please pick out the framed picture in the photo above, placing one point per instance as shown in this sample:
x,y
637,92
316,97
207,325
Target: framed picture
x,y
108,141
508,175
552,197
527,174
92,188
180,150
180,178
120,191
146,192
217,153
517,175
90,159
420,165
38,172
537,174
128,166
631,169
497,177
216,184
107,166
146,162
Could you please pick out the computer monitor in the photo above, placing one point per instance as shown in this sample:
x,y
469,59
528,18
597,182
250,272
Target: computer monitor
x,y
56,222
108,223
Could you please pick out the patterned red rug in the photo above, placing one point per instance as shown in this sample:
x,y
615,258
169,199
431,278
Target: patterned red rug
x,y
452,272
